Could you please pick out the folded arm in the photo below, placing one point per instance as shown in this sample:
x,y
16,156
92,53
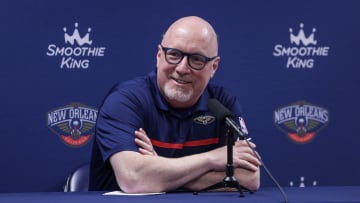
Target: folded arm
x,y
136,173
146,172
246,170
246,178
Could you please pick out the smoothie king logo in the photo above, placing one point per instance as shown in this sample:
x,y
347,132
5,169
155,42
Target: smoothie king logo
x,y
301,121
74,123
78,53
304,49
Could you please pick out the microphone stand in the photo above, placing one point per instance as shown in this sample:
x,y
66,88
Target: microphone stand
x,y
229,181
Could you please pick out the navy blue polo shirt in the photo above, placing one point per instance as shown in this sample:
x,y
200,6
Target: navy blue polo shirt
x,y
173,132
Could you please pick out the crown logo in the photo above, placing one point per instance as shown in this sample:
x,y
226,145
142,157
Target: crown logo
x,y
75,37
302,182
300,37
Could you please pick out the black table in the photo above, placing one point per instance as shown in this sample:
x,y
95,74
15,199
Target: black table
x,y
264,195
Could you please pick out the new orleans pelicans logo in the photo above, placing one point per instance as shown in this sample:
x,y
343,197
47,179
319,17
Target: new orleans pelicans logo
x,y
204,120
301,121
74,123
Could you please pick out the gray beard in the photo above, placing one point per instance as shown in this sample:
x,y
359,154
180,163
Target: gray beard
x,y
177,94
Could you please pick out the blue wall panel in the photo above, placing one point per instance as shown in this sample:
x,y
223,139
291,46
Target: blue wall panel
x,y
124,34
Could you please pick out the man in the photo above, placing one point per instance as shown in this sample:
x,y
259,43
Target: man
x,y
155,133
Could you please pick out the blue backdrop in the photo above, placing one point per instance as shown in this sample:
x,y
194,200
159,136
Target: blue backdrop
x,y
292,63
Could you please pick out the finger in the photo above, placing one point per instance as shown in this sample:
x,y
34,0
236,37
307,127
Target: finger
x,y
253,159
239,150
143,144
145,148
142,130
245,143
145,152
141,134
143,141
249,166
247,163
246,154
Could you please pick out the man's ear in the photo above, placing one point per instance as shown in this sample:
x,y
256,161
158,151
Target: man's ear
x,y
215,66
158,55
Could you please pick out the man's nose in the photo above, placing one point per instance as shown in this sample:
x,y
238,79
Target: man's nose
x,y
183,66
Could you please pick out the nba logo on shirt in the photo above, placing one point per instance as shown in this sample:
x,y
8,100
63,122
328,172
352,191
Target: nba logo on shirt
x,y
243,126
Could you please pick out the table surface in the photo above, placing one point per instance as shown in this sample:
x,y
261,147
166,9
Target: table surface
x,y
268,195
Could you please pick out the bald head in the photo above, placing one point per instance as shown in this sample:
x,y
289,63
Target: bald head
x,y
192,31
190,39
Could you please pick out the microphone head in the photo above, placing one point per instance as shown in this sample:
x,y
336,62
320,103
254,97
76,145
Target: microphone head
x,y
219,110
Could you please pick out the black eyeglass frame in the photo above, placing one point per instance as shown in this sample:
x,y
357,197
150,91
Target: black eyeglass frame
x,y
189,55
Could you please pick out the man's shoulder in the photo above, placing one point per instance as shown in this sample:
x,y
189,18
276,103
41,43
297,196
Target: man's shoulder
x,y
219,91
137,91
134,86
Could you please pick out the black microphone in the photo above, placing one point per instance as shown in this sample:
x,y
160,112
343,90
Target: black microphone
x,y
224,115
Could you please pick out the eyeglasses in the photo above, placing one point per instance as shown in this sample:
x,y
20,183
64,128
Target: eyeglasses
x,y
195,61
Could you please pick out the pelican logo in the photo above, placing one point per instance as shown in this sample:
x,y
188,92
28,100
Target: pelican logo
x,y
204,120
74,123
301,121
